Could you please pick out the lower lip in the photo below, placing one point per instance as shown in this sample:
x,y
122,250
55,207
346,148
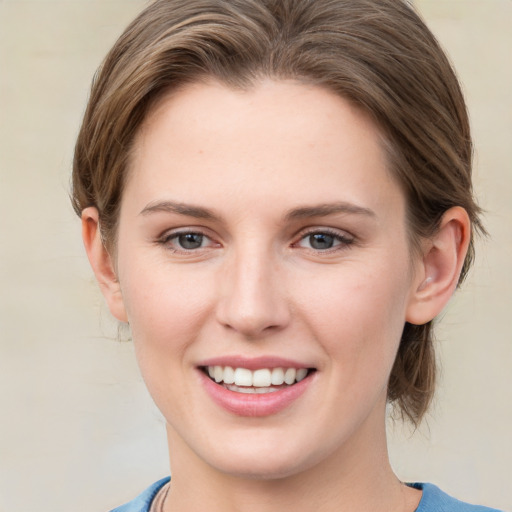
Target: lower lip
x,y
254,405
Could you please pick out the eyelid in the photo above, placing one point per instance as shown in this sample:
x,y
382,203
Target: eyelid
x,y
338,233
170,234
344,237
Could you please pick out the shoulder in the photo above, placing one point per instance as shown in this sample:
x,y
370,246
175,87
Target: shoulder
x,y
142,502
435,500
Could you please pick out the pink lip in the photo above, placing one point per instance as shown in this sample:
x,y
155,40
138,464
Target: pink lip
x,y
253,363
254,405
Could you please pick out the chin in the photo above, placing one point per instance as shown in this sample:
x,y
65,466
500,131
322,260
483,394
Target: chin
x,y
264,462
255,469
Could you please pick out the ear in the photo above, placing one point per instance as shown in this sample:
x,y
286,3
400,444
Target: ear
x,y
101,263
440,267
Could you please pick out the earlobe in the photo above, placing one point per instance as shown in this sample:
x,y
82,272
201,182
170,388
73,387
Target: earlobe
x,y
101,263
440,268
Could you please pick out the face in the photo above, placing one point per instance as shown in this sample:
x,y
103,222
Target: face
x,y
261,238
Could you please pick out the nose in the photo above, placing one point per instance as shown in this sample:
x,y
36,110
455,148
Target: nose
x,y
252,298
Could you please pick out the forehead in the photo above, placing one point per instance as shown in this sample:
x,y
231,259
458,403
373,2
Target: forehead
x,y
282,141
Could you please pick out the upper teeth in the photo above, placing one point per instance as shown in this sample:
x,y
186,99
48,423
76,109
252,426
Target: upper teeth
x,y
264,377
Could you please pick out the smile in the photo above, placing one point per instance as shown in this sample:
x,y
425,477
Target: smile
x,y
258,391
263,380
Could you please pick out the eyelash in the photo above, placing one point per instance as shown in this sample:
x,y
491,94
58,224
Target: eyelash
x,y
167,238
343,241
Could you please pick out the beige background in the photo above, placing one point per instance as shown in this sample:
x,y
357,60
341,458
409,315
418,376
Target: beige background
x,y
78,431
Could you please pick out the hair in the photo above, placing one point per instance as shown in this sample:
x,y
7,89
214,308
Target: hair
x,y
377,54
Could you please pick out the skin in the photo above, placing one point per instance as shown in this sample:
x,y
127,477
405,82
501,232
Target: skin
x,y
259,162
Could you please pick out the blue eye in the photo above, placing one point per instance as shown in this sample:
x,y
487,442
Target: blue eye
x,y
324,241
190,241
321,241
185,241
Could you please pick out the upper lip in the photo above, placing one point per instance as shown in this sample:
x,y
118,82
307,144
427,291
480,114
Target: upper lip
x,y
253,363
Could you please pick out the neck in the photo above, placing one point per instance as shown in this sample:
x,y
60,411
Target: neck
x,y
356,479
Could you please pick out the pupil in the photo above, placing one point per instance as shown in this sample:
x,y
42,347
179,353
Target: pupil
x,y
190,240
321,241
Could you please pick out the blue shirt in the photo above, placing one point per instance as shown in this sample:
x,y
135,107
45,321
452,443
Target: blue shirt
x,y
433,500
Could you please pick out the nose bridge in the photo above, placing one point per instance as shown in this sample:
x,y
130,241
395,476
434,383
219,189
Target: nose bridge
x,y
253,299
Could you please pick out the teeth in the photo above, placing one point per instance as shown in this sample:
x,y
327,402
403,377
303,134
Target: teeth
x,y
277,376
289,375
262,379
251,390
243,377
218,373
229,375
301,373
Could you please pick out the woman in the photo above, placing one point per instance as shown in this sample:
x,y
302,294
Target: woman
x,y
276,196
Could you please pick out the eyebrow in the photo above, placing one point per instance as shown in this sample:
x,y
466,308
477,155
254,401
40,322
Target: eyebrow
x,y
323,210
303,212
179,208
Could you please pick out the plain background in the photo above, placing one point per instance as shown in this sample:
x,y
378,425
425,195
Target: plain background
x,y
78,431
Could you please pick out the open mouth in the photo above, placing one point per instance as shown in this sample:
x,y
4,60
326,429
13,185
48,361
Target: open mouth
x,y
263,380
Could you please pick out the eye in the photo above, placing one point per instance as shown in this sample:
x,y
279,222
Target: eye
x,y
190,241
324,240
186,241
321,241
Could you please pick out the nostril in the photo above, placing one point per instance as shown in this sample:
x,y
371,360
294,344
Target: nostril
x,y
250,301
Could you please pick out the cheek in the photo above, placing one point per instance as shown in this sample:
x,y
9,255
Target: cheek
x,y
165,308
358,313
166,312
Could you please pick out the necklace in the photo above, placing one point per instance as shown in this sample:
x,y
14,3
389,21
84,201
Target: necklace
x,y
157,505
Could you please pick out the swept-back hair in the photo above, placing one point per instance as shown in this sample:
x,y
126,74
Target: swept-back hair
x,y
378,54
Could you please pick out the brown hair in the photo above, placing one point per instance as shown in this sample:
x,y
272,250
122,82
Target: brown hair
x,y
376,53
